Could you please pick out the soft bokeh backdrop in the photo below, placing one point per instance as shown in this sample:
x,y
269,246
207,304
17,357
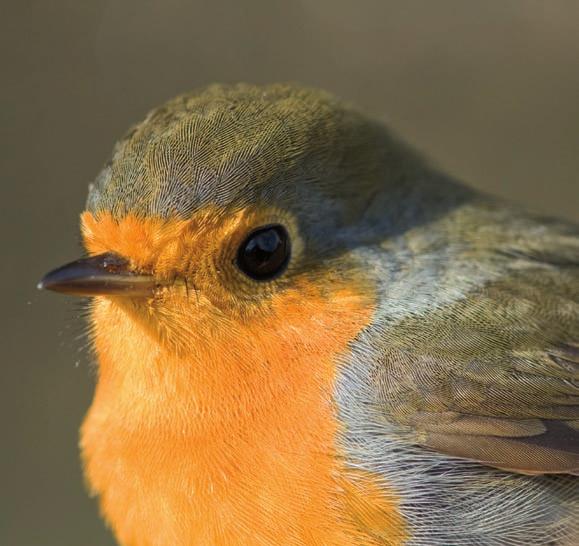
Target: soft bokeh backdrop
x,y
490,90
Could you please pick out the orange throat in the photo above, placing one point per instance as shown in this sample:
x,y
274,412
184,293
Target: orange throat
x,y
233,439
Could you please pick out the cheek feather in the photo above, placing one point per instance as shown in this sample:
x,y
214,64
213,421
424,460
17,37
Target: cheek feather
x,y
223,429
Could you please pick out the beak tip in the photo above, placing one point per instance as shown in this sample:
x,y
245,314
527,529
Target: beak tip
x,y
42,284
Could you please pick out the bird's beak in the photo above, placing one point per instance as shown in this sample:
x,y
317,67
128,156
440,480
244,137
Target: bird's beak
x,y
105,274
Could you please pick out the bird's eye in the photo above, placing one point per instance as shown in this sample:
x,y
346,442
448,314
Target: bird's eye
x,y
265,252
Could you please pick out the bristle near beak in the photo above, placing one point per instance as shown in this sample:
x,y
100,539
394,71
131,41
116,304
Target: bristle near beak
x,y
105,274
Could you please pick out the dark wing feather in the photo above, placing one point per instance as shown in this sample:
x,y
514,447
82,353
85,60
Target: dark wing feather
x,y
494,377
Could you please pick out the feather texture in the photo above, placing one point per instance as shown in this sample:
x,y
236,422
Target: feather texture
x,y
446,325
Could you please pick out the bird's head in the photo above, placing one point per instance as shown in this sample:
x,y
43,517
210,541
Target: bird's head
x,y
230,221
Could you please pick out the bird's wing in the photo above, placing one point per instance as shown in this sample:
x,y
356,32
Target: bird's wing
x,y
493,377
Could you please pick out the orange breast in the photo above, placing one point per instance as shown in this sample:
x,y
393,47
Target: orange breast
x,y
234,442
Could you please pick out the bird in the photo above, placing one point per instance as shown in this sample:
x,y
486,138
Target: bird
x,y
306,333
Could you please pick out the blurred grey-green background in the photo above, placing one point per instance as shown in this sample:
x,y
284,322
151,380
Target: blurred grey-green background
x,y
489,89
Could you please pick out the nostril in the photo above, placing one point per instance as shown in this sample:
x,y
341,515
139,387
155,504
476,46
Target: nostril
x,y
114,262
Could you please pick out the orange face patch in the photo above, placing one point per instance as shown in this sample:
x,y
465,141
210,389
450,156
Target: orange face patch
x,y
213,420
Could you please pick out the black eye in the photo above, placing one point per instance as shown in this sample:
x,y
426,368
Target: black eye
x,y
265,253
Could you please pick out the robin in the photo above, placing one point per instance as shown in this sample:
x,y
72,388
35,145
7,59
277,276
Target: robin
x,y
307,335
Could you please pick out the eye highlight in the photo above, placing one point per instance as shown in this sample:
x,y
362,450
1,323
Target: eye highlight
x,y
265,253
